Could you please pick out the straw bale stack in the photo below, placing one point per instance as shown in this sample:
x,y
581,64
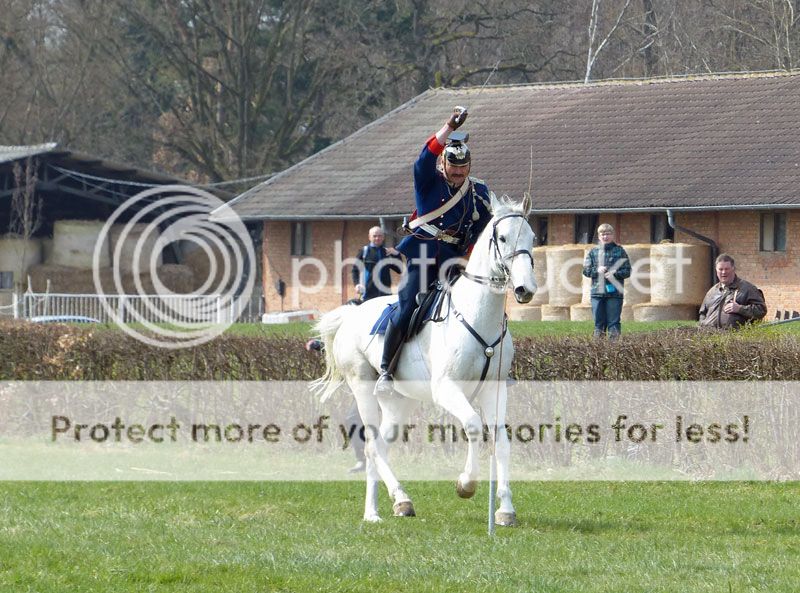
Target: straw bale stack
x,y
176,278
679,273
74,244
553,313
17,255
141,236
656,312
627,313
581,312
525,313
586,283
564,275
637,287
201,265
540,273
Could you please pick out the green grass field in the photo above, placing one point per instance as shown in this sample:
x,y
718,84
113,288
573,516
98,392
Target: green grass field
x,y
292,537
298,537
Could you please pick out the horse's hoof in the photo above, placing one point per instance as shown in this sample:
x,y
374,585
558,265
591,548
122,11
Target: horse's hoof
x,y
372,519
505,519
467,489
404,509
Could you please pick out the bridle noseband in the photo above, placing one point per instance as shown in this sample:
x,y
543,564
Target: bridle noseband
x,y
494,281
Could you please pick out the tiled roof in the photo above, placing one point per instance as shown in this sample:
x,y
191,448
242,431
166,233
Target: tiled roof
x,y
69,158
706,142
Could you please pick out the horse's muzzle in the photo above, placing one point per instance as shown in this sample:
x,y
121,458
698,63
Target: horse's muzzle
x,y
523,295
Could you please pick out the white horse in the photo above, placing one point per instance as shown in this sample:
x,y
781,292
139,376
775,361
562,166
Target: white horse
x,y
445,363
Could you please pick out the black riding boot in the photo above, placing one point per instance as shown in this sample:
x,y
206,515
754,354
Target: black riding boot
x,y
392,342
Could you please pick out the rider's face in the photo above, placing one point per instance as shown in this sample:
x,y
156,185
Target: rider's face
x,y
455,174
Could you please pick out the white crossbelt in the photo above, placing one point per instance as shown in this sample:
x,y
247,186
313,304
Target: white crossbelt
x,y
422,221
426,218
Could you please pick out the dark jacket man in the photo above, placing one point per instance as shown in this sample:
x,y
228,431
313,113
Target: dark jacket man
x,y
731,302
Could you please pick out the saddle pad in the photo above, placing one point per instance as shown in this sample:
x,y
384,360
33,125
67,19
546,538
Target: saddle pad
x,y
383,321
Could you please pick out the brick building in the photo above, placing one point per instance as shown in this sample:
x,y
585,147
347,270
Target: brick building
x,y
700,159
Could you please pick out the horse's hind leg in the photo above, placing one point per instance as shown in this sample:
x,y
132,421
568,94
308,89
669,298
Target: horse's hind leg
x,y
370,416
376,433
395,414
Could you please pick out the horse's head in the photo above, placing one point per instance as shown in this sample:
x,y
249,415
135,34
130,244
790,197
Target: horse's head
x,y
511,245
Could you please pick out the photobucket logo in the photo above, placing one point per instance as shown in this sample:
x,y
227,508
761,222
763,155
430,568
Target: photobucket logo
x,y
134,292
680,275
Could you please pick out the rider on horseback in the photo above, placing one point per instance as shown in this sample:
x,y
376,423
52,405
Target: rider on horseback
x,y
451,211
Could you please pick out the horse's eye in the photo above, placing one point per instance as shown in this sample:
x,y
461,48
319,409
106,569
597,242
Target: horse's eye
x,y
502,239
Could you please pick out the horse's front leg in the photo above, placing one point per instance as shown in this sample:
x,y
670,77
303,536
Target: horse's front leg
x,y
493,397
450,395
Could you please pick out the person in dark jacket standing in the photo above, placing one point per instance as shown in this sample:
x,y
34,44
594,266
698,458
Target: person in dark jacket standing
x,y
731,302
372,273
608,266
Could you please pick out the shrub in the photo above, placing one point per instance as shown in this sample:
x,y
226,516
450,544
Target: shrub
x,y
61,352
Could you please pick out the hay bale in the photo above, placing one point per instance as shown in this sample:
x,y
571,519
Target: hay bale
x,y
586,283
17,255
141,237
627,313
564,275
553,313
637,287
62,279
208,268
177,278
74,244
525,313
540,273
658,312
679,273
581,312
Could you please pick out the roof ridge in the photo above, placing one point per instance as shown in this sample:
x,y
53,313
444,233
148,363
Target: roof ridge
x,y
673,78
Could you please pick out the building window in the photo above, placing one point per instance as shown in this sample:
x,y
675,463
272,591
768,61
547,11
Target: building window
x,y
660,229
773,231
6,280
586,228
301,238
539,226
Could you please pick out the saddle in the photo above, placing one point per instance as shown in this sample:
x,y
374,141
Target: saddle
x,y
429,308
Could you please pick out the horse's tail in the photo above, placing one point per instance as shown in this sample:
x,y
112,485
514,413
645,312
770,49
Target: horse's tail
x,y
326,329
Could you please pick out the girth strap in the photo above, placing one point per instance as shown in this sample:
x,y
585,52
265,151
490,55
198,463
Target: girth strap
x,y
488,349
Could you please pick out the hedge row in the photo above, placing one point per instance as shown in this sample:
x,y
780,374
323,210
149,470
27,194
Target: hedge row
x,y
60,352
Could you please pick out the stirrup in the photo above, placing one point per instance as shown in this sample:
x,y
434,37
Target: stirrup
x,y
384,385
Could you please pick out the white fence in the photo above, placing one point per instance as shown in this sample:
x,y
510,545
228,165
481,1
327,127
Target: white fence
x,y
138,308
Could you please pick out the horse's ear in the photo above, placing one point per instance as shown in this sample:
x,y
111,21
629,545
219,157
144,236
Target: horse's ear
x,y
495,203
527,204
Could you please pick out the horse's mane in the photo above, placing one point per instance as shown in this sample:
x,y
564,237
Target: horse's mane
x,y
506,206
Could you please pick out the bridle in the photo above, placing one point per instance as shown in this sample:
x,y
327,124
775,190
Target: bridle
x,y
494,281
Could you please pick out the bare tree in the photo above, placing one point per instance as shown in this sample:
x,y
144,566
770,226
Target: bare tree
x,y
26,211
593,24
